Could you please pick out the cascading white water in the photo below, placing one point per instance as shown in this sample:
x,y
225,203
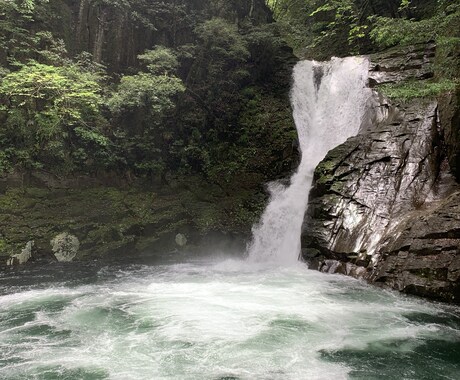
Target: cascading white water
x,y
329,100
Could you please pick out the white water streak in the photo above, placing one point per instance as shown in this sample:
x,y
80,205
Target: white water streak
x,y
329,100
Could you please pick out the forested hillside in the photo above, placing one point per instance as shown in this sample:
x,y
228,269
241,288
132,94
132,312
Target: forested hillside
x,y
146,88
136,119
347,27
141,88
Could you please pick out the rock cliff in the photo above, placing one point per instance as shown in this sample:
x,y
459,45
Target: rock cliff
x,y
385,205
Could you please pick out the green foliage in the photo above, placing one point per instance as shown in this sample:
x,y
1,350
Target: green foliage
x,y
160,60
147,98
392,31
49,114
220,65
17,42
50,50
447,62
176,108
23,7
228,60
346,17
404,4
222,39
219,70
343,27
64,90
151,93
3,246
389,32
417,89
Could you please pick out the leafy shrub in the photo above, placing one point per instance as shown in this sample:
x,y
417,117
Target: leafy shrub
x,y
49,113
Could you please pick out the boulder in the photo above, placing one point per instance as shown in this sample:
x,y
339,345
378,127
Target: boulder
x,y
181,240
423,256
65,247
23,257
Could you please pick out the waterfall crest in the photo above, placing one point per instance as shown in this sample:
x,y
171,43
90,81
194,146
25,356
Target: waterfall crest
x,y
329,100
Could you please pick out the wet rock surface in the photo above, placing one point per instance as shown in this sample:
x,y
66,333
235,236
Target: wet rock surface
x,y
385,205
402,64
423,257
449,115
94,223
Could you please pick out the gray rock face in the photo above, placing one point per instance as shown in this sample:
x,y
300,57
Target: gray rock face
x,y
449,115
402,63
423,256
385,204
23,257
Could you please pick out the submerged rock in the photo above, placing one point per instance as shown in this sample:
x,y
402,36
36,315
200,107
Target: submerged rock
x,y
385,205
65,247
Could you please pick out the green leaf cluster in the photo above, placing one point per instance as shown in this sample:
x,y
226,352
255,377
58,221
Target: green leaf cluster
x,y
387,31
148,98
321,28
153,94
49,113
417,89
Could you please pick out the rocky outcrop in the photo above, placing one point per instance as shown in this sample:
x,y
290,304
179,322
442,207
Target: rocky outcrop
x,y
402,64
109,222
449,115
23,257
383,206
423,255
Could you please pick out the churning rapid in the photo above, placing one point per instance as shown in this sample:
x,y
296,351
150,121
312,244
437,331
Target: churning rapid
x,y
217,320
329,101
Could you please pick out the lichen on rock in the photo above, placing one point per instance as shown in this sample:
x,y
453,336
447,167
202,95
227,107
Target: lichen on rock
x,y
23,257
181,240
65,247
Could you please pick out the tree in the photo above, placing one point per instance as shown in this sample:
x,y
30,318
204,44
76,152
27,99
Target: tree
x,y
17,42
220,68
51,116
140,106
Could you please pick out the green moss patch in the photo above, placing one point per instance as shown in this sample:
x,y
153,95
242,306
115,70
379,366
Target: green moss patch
x,y
417,89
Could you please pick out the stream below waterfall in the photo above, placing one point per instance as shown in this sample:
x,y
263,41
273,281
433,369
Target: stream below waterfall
x,y
217,319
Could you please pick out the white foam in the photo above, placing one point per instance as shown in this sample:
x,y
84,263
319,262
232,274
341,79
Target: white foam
x,y
205,321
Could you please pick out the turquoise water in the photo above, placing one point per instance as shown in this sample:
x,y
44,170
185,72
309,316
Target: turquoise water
x,y
217,319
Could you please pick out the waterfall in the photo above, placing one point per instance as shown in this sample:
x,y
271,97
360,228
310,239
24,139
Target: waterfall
x,y
329,100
